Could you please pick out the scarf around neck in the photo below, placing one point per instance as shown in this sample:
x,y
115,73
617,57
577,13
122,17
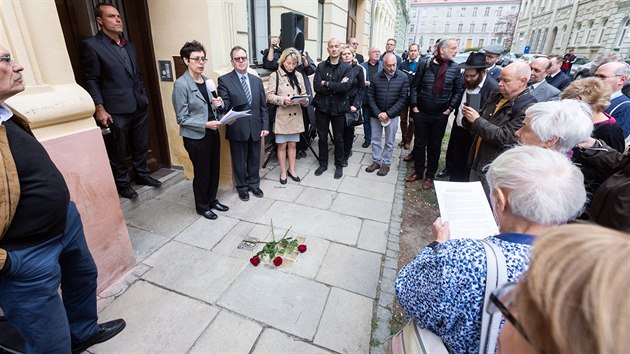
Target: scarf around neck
x,y
440,78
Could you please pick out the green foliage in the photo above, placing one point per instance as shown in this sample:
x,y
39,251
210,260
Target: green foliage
x,y
472,49
271,250
374,342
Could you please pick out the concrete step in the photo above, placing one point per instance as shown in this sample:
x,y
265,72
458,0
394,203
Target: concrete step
x,y
168,176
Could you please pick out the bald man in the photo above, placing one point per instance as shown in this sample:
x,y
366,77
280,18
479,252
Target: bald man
x,y
538,86
502,115
615,74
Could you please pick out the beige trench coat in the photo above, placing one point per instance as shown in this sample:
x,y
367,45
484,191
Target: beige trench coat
x,y
288,119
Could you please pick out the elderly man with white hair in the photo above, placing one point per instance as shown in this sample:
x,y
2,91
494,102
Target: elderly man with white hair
x,y
442,289
556,125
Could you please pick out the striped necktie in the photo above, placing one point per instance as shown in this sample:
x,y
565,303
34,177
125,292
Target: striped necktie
x,y
248,93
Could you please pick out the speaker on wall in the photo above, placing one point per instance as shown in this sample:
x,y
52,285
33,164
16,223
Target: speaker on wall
x,y
292,27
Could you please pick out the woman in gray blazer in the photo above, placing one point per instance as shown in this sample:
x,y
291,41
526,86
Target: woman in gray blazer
x,y
195,101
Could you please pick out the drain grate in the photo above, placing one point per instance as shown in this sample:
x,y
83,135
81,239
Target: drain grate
x,y
248,244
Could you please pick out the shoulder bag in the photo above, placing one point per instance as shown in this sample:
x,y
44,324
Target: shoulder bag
x,y
354,118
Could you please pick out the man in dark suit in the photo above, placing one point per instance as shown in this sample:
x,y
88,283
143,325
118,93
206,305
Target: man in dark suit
x,y
240,89
538,86
493,54
409,67
112,77
476,82
555,77
354,44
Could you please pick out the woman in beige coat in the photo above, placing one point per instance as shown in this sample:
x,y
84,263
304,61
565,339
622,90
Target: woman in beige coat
x,y
282,86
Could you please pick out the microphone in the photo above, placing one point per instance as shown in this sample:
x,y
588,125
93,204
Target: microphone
x,y
212,88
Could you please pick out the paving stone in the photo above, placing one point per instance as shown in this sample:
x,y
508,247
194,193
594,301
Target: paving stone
x,y
393,246
152,314
387,298
229,244
389,273
181,193
351,269
392,254
248,210
316,198
346,323
390,263
228,333
273,341
313,222
373,236
284,301
192,271
308,263
144,243
205,233
362,207
286,192
160,216
325,181
377,350
377,190
383,314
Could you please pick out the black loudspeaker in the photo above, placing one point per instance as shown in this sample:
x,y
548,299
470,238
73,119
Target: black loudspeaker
x,y
292,27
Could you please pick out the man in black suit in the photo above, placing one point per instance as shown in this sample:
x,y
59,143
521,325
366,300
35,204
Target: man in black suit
x,y
476,82
112,77
240,89
354,44
555,77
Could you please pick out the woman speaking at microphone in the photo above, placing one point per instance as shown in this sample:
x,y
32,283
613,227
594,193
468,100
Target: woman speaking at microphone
x,y
195,103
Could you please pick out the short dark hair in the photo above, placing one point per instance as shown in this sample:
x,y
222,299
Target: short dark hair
x,y
97,9
392,39
238,47
416,44
190,47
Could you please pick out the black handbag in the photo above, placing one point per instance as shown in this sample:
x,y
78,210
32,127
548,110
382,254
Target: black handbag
x,y
354,118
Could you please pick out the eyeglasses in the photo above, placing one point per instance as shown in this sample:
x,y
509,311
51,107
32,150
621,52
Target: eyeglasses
x,y
6,58
604,76
200,59
500,299
239,59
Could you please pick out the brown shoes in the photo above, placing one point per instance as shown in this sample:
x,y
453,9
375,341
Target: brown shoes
x,y
402,143
427,184
373,167
383,170
412,178
408,158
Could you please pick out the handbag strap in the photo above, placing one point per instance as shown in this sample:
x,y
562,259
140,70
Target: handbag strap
x,y
496,276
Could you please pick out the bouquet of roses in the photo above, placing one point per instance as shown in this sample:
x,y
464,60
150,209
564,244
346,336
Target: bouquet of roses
x,y
274,250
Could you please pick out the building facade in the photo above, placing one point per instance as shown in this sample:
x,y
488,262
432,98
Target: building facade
x,y
44,36
590,27
474,24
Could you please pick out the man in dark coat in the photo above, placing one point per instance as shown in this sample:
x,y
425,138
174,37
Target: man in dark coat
x,y
555,77
112,77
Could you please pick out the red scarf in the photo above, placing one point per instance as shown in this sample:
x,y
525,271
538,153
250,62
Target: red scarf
x,y
440,78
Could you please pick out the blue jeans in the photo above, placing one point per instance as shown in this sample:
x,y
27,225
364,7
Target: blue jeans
x,y
29,293
382,153
367,126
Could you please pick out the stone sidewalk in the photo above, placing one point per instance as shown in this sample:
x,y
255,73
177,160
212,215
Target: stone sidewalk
x,y
193,290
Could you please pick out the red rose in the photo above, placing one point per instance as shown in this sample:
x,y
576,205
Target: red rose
x,y
255,261
302,248
277,261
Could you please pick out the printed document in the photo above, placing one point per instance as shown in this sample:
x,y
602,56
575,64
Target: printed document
x,y
233,115
465,206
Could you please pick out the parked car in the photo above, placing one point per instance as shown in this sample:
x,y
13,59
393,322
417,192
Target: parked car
x,y
584,70
529,57
579,62
507,59
461,57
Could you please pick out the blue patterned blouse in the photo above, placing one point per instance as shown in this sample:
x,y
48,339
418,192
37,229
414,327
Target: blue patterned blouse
x,y
442,288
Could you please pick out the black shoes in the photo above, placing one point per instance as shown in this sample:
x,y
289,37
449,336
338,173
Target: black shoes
x,y
148,181
320,170
444,173
257,192
365,144
208,214
294,178
127,192
338,172
106,331
344,163
282,181
220,207
300,154
243,195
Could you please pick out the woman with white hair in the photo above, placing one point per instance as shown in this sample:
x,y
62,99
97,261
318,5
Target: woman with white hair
x,y
442,289
556,125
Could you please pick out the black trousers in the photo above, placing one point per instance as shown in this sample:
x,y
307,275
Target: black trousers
x,y
131,133
429,131
205,155
305,138
348,140
338,122
457,154
245,164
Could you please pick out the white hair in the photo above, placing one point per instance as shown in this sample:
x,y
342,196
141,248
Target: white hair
x,y
568,120
543,186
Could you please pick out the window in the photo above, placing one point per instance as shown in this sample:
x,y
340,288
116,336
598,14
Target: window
x,y
412,28
448,12
602,31
512,9
463,12
487,13
320,28
480,43
587,34
484,27
578,28
499,10
496,27
544,39
259,28
624,32
472,28
564,31
493,41
446,28
460,27
468,43
474,11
